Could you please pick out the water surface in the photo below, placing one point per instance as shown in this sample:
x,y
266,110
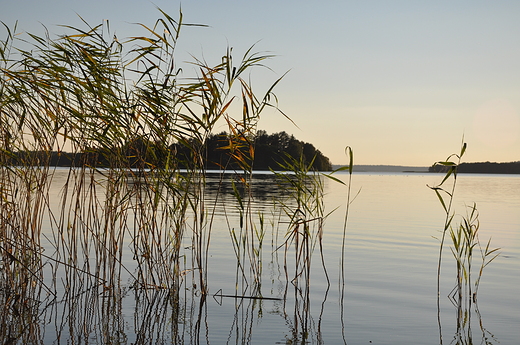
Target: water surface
x,y
389,295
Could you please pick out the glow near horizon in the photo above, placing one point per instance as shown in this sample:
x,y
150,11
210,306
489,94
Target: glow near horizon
x,y
400,82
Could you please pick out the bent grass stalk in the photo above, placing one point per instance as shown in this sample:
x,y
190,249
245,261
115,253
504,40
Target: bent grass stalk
x,y
451,167
350,167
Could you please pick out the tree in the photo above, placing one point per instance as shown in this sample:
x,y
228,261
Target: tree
x,y
269,152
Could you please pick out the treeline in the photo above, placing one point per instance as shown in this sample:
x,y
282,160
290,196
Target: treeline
x,y
269,151
483,168
219,151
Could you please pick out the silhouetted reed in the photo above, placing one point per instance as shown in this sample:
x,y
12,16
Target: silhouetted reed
x,y
465,242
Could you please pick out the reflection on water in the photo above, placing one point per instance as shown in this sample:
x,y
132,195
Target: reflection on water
x,y
259,296
467,317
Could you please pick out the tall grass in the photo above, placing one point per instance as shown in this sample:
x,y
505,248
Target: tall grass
x,y
445,196
465,246
464,243
121,109
350,168
305,212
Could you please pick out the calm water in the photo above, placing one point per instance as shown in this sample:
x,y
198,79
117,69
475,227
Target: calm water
x,y
389,295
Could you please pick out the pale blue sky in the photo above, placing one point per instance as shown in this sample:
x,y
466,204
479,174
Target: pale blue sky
x,y
398,81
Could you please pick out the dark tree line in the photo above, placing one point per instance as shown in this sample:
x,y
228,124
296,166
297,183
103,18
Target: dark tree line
x,y
262,151
219,151
483,168
270,150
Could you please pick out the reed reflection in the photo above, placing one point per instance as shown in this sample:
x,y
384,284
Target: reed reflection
x,y
468,314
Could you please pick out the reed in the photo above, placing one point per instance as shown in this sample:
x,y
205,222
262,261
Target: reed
x,y
464,237
445,196
350,168
466,247
305,211
133,129
464,243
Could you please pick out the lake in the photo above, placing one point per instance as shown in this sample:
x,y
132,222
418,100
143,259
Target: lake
x,y
276,294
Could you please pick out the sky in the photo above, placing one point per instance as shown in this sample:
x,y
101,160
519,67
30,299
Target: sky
x,y
400,82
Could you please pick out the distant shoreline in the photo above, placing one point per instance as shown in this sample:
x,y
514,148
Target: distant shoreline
x,y
482,168
463,168
386,168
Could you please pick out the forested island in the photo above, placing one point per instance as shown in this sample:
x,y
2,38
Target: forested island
x,y
218,151
269,151
482,168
